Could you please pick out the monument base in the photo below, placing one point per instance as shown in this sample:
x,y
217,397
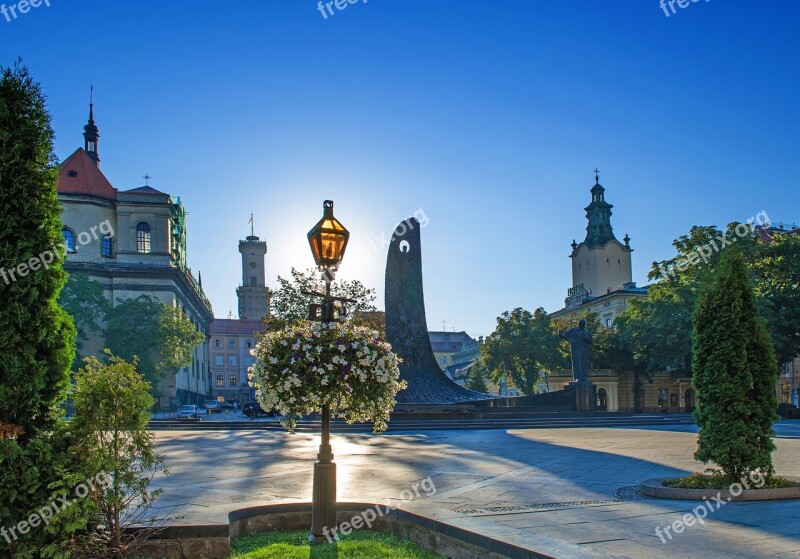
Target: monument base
x,y
585,395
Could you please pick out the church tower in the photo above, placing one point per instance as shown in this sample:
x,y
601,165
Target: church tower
x,y
253,294
600,264
91,135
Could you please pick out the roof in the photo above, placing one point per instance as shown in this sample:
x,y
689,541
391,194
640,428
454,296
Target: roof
x,y
144,190
232,326
87,179
448,342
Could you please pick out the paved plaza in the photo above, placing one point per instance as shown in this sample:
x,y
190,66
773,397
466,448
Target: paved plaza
x,y
574,485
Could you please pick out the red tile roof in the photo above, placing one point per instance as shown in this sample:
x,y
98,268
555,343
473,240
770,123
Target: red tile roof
x,y
88,178
234,326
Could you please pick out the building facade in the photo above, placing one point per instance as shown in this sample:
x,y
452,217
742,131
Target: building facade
x,y
602,280
231,343
133,243
446,344
233,339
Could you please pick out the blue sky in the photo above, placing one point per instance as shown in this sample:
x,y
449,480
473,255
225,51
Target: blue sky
x,y
488,116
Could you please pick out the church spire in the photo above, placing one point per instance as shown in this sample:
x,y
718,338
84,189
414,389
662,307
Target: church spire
x,y
91,134
599,230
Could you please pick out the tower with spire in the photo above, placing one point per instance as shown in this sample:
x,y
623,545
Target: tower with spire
x,y
600,264
91,134
253,294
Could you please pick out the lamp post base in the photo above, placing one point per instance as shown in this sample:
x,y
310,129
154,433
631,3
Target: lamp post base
x,y
323,508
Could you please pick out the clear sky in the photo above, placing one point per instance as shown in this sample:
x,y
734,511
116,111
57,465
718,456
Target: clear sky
x,y
489,116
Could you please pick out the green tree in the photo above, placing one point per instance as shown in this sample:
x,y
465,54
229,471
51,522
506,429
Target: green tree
x,y
290,302
735,371
112,412
524,346
477,378
657,330
177,338
161,338
85,301
37,338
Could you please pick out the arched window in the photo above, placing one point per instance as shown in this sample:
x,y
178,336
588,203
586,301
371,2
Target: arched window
x,y
105,246
69,240
143,238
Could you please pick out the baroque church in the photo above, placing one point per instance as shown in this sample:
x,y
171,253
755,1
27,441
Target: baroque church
x,y
142,254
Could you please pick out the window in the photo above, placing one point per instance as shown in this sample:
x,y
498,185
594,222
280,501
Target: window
x,y
231,344
608,322
248,344
443,360
220,381
231,360
234,380
72,173
218,360
217,343
143,238
253,281
69,240
105,246
248,361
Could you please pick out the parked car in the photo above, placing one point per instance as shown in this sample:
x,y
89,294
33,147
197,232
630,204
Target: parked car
x,y
189,411
213,406
253,410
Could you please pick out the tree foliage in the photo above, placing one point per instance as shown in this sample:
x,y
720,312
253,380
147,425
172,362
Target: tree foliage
x,y
657,330
524,344
85,301
735,371
160,337
37,338
112,412
290,302
477,377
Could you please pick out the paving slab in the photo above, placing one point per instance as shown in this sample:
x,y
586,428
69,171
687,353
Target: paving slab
x,y
572,485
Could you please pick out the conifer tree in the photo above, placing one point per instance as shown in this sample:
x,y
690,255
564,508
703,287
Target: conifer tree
x,y
735,371
37,338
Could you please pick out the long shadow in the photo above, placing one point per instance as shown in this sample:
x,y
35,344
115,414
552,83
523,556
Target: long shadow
x,y
455,459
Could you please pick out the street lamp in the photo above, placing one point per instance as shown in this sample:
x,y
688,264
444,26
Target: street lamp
x,y
328,241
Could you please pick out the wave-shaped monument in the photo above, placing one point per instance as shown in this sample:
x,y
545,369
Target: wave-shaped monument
x,y
407,329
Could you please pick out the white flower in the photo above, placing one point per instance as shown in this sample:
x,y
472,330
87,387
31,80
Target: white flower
x,y
273,360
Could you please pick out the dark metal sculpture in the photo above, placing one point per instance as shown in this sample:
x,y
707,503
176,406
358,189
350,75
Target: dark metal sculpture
x,y
406,327
579,341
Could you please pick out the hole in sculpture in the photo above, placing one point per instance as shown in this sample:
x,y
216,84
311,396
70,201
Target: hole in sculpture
x,y
404,246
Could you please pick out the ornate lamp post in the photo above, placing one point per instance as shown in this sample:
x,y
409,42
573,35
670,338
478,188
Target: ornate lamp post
x,y
328,240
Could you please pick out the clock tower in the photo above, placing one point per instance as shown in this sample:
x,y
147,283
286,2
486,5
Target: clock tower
x,y
253,294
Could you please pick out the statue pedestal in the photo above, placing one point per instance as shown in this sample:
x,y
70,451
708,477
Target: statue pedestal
x,y
585,395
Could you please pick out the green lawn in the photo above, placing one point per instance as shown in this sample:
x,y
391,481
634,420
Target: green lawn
x,y
358,545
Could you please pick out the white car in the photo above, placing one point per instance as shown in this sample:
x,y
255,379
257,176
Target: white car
x,y
189,411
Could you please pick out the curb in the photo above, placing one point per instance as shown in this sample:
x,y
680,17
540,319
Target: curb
x,y
655,488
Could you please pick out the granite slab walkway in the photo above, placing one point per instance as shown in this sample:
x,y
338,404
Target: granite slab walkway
x,y
574,485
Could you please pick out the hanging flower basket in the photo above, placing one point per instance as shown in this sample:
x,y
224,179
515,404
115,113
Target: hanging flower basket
x,y
301,368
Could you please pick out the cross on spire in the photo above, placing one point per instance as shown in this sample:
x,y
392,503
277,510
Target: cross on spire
x,y
596,176
147,178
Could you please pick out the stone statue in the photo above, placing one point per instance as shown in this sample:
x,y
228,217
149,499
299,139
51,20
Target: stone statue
x,y
579,340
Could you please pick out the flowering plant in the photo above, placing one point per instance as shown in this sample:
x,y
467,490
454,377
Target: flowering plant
x,y
303,367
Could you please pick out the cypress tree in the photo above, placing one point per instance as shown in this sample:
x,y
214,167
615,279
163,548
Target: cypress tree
x,y
735,371
37,338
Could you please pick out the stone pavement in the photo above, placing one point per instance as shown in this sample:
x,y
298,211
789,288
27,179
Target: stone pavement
x,y
574,485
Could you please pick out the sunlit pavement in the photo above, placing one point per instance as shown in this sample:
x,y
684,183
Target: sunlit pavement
x,y
575,485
